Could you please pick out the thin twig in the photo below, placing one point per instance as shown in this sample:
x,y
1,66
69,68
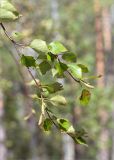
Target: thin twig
x,y
15,60
10,38
55,123
52,119
15,45
78,81
33,77
26,89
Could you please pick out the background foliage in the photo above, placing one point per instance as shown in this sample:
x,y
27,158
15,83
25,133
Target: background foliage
x,y
72,23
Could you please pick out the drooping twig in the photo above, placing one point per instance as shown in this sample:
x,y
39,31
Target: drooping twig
x,y
51,119
55,123
26,89
15,60
78,81
15,45
10,38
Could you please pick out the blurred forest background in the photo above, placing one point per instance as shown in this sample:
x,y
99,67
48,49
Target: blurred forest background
x,y
86,27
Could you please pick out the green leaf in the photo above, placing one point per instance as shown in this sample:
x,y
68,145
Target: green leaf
x,y
80,131
32,82
77,135
69,57
92,77
87,84
58,100
54,87
52,115
80,140
64,124
85,97
71,130
83,67
6,15
75,70
5,4
50,57
61,68
44,67
47,124
7,11
39,46
28,61
42,57
57,47
17,35
54,72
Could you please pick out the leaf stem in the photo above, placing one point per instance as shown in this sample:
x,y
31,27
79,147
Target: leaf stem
x,y
78,81
54,122
51,119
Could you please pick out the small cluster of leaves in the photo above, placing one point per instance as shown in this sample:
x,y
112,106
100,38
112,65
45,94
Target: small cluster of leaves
x,y
65,126
53,58
56,58
7,11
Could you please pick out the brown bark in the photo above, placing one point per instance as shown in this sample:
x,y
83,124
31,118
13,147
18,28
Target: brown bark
x,y
108,20
102,31
106,29
100,67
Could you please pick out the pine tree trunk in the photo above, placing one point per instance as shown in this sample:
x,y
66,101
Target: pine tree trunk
x,y
110,77
100,67
107,29
101,31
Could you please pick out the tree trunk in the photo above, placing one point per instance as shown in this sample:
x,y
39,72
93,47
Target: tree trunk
x,y
111,74
99,44
68,148
102,30
109,79
3,150
107,29
55,18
